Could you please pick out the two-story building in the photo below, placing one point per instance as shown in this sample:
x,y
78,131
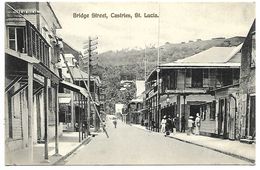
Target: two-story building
x,y
73,103
247,89
31,80
195,85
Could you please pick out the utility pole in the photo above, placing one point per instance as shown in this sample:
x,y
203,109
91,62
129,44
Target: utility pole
x,y
91,45
158,75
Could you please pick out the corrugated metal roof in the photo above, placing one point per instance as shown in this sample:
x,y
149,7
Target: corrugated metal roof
x,y
213,55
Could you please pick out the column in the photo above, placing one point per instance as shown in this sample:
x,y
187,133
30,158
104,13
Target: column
x,y
56,121
46,106
30,110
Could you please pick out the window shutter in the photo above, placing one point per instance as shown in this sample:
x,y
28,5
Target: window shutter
x,y
205,78
188,77
29,38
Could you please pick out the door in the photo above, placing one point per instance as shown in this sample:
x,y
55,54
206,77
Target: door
x,y
194,109
252,116
220,116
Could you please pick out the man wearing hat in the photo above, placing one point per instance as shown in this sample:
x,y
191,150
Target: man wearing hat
x,y
190,125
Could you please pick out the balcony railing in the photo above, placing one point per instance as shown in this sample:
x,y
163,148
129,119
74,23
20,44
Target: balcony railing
x,y
24,37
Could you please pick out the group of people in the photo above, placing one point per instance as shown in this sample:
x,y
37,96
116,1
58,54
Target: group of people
x,y
150,126
194,124
168,125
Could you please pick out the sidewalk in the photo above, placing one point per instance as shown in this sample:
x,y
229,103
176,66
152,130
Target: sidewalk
x,y
68,143
232,148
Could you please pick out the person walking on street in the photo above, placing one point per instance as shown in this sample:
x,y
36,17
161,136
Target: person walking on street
x,y
183,122
190,125
114,122
163,124
197,124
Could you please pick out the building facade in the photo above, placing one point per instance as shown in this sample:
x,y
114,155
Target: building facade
x,y
31,76
247,89
195,85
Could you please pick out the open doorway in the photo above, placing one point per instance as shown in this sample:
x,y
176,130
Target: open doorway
x,y
194,109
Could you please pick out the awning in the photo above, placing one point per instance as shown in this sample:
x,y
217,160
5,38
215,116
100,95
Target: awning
x,y
64,100
46,72
74,88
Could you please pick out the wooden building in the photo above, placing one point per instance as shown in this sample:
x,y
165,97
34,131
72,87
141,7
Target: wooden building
x,y
192,85
31,80
247,89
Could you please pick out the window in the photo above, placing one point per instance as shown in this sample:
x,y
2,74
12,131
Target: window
x,y
253,55
172,79
197,78
16,39
33,44
205,78
12,39
226,77
188,78
37,46
236,76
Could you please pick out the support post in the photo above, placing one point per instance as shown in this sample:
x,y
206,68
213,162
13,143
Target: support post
x,y
56,122
158,98
79,113
46,106
89,60
30,111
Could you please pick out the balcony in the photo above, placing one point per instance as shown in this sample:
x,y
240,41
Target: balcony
x,y
24,38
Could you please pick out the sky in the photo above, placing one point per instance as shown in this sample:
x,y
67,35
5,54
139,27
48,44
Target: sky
x,y
177,22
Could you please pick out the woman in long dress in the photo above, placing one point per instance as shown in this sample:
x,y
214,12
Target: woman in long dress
x,y
163,123
197,124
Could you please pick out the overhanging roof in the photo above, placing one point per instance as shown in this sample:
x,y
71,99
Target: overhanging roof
x,y
213,55
74,88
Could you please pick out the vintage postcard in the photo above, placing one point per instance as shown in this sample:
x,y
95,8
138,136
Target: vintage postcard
x,y
133,83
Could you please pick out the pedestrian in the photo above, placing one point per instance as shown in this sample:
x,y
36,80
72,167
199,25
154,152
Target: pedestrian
x,y
168,126
146,123
190,125
183,122
142,122
76,127
174,126
163,124
84,129
114,122
197,124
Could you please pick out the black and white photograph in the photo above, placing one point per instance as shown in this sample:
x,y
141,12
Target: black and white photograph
x,y
147,83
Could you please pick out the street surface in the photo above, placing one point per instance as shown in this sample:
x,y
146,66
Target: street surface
x,y
129,145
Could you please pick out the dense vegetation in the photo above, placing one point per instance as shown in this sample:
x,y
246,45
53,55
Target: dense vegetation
x,y
110,64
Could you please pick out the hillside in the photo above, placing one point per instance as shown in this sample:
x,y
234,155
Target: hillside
x,y
169,53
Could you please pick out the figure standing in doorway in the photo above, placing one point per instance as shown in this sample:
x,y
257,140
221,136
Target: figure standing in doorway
x,y
197,124
163,124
